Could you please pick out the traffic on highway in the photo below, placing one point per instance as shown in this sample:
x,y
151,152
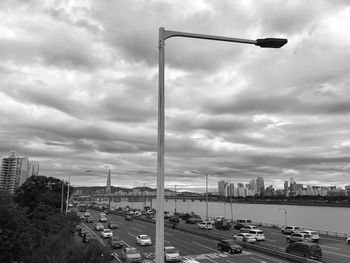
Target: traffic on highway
x,y
132,240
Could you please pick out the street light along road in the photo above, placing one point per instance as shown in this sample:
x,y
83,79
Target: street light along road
x,y
163,35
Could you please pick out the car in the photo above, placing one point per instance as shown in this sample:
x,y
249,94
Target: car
x,y
137,213
88,236
193,220
304,249
112,225
106,233
348,241
290,229
230,246
128,218
115,242
245,237
102,214
103,219
258,234
247,228
88,219
86,214
219,218
77,227
205,225
298,236
143,240
131,254
99,227
81,217
314,235
171,254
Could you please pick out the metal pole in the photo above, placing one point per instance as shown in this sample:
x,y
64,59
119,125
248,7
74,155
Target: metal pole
x,y
206,190
67,194
160,158
62,196
285,216
175,198
231,206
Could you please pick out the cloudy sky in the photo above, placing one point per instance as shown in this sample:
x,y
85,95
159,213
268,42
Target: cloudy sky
x,y
79,80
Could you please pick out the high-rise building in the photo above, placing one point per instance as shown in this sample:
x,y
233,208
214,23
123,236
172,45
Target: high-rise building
x,y
222,188
286,188
14,172
260,185
108,187
231,189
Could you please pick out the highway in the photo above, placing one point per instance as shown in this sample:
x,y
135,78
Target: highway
x,y
190,246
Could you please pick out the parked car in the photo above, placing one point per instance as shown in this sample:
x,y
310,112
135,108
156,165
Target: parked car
x,y
143,240
102,214
230,246
106,233
86,214
115,242
247,228
128,218
193,220
137,213
304,249
81,217
103,219
99,227
298,236
290,229
219,218
205,225
314,235
88,236
171,254
348,241
245,237
77,227
131,254
88,219
112,225
83,231
258,234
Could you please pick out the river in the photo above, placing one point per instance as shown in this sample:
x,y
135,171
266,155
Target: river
x,y
333,219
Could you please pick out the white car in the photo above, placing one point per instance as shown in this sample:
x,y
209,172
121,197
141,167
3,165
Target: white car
x,y
313,234
106,233
258,234
143,240
348,241
205,225
171,254
103,219
103,214
247,228
99,227
245,237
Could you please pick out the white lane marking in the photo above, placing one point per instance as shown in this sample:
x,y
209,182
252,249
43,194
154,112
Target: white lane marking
x,y
116,256
166,241
269,258
137,229
126,243
261,261
342,255
337,248
205,246
140,225
168,234
211,260
131,235
229,261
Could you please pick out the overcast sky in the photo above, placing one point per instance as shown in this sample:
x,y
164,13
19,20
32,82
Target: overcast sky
x,y
79,80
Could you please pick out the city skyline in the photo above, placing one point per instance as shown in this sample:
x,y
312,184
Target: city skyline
x,y
79,91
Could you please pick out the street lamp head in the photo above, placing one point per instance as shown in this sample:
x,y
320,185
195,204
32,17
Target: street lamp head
x,y
271,42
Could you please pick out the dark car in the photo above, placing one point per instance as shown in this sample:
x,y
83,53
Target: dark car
x,y
88,219
193,220
128,218
112,225
115,242
83,231
230,246
239,226
304,249
131,254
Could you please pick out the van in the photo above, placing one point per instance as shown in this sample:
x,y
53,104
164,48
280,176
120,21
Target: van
x,y
304,249
258,233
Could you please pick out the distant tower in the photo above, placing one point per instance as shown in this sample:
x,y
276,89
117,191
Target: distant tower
x,y
108,187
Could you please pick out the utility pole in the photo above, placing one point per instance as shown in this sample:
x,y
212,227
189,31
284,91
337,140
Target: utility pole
x,y
175,198
68,195
62,196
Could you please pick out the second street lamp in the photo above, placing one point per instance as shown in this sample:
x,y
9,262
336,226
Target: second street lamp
x,y
163,35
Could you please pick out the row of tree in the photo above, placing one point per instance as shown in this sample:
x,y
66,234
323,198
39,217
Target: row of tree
x,y
33,228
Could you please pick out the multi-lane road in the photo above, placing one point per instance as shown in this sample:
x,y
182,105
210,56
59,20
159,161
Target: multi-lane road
x,y
204,250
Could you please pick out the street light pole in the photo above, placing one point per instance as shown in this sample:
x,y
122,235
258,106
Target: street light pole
x,y
175,198
62,196
285,215
67,194
163,35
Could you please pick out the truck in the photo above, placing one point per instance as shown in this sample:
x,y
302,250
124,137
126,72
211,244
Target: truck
x,y
223,224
